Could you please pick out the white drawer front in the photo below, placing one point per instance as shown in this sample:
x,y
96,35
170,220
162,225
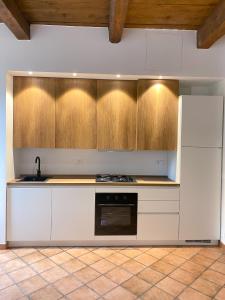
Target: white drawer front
x,y
159,193
158,206
155,227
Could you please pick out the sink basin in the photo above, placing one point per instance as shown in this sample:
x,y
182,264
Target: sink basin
x,y
34,178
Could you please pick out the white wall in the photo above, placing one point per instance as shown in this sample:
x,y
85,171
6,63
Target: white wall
x,y
87,50
70,161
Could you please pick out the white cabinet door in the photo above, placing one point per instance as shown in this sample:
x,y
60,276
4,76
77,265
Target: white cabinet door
x,y
200,193
155,227
73,212
202,118
28,214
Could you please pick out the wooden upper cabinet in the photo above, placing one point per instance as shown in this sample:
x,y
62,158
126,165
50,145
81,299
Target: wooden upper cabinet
x,y
157,114
116,114
76,113
34,112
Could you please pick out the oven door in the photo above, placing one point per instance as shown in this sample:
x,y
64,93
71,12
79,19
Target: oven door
x,y
116,214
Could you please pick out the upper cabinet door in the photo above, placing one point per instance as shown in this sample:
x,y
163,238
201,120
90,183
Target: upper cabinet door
x,y
202,121
34,112
116,114
157,114
76,113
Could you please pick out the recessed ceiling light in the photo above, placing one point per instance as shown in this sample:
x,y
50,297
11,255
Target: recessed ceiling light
x,y
30,73
74,74
118,75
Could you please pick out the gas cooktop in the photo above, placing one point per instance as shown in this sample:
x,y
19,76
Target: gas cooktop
x,y
113,178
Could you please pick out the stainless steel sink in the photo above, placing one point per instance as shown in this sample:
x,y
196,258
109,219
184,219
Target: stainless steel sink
x,y
34,178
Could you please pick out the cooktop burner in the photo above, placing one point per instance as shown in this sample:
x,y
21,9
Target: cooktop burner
x,y
113,178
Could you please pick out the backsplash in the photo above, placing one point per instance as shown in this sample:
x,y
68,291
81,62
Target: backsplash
x,y
70,161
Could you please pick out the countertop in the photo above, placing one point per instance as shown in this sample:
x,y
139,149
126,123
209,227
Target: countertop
x,y
90,180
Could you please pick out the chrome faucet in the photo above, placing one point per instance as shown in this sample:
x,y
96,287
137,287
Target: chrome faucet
x,y
38,160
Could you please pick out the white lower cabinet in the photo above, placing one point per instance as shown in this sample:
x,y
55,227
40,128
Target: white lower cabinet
x,y
28,214
200,195
155,227
73,213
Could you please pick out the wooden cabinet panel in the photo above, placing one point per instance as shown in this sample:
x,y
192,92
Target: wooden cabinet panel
x,y
157,114
116,114
76,113
34,112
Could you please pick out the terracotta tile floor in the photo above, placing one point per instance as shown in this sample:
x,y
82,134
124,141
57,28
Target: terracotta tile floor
x,y
185,273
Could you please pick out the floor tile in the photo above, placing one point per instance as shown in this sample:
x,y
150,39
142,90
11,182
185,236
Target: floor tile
x,y
73,265
151,275
11,293
12,265
158,252
163,267
23,251
214,276
186,253
133,266
221,295
212,252
117,258
54,274
86,274
102,266
61,258
131,252
136,285
171,286
193,267
7,256
43,265
190,294
22,274
222,259
156,294
118,275
146,259
32,284
76,252
202,260
33,257
5,281
104,252
50,251
47,293
205,287
119,293
219,267
83,293
183,276
102,285
67,284
89,258
173,260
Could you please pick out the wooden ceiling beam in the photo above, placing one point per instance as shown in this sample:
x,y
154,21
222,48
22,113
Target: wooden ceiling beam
x,y
14,20
213,27
117,18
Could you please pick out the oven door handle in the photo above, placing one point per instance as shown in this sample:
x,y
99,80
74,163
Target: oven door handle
x,y
115,205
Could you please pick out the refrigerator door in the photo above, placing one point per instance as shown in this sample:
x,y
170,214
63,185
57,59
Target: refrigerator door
x,y
200,193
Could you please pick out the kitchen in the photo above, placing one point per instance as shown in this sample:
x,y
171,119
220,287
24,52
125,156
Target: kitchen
x,y
127,110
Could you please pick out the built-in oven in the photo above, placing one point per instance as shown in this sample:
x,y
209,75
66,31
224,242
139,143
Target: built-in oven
x,y
116,213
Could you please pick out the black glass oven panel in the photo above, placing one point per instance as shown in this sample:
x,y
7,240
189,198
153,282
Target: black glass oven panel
x,y
116,214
